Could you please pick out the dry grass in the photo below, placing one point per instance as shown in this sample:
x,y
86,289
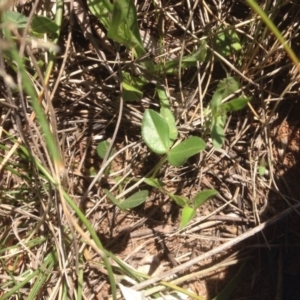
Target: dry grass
x,y
83,105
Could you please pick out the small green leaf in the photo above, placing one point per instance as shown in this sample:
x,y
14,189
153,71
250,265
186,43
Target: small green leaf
x,y
196,56
187,215
135,200
132,87
166,112
154,182
203,196
169,118
112,198
155,132
41,24
227,86
180,200
227,41
262,170
171,67
101,9
131,93
163,97
182,152
19,20
217,132
235,104
215,102
102,148
123,27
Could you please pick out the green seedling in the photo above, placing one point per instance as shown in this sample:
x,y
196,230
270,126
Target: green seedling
x,y
171,67
190,207
133,201
219,110
120,20
262,169
39,25
102,149
227,41
156,135
132,87
159,132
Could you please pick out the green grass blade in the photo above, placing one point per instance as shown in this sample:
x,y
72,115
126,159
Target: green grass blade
x,y
275,31
43,275
28,88
19,286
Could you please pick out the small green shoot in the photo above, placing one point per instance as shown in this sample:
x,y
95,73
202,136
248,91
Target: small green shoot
x,y
133,201
189,207
165,111
262,169
132,87
156,135
124,28
154,182
155,132
227,41
189,212
171,67
102,148
219,110
178,155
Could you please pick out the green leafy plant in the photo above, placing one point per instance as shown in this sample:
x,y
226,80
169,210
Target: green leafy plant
x,y
219,110
38,26
227,41
159,129
156,134
171,66
189,207
135,200
120,19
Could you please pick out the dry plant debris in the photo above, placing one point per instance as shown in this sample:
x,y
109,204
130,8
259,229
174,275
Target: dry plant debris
x,y
256,172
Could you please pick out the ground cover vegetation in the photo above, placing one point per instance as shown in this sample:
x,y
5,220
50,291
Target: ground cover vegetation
x,y
149,149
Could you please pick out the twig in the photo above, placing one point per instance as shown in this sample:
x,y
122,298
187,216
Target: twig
x,y
217,250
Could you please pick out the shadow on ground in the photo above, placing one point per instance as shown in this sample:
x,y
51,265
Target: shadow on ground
x,y
273,270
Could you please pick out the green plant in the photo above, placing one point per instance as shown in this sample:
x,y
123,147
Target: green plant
x,y
219,110
227,41
159,130
189,206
